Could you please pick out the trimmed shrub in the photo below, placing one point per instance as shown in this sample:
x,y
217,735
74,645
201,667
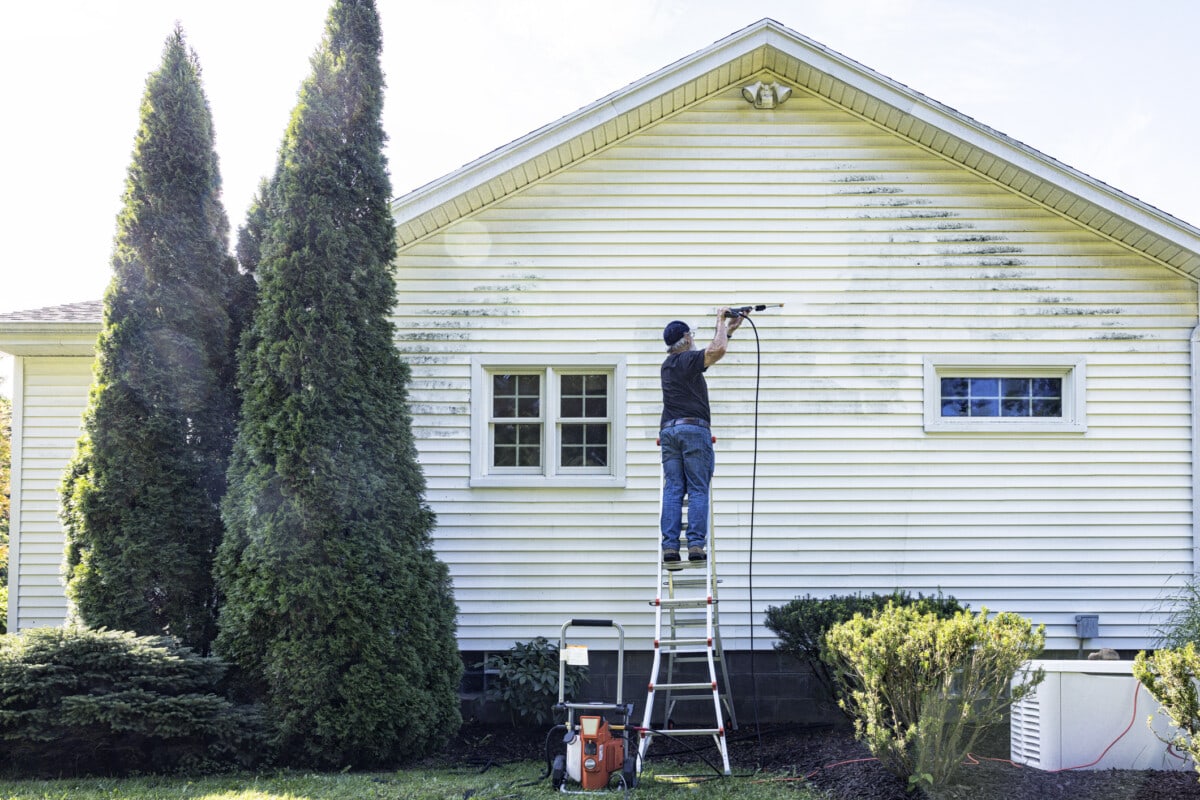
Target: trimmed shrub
x,y
74,702
925,687
1171,678
802,624
525,682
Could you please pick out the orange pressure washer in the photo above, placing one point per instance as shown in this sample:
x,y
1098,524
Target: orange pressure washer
x,y
596,747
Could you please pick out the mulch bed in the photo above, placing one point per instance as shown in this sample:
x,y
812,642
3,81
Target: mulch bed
x,y
834,765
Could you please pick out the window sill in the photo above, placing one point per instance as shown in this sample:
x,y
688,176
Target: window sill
x,y
545,482
978,425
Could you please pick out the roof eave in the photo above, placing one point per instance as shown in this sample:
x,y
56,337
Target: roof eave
x,y
35,338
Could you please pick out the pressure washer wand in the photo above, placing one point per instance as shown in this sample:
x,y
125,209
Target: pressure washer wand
x,y
741,311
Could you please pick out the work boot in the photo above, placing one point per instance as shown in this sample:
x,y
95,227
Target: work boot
x,y
696,553
670,556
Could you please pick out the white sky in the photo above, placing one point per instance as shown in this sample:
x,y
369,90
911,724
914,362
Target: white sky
x,y
1105,86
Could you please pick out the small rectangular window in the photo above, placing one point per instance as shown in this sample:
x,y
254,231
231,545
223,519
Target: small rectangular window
x,y
1004,394
1001,397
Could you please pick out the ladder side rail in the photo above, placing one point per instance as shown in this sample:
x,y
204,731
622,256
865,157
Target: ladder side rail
x,y
719,648
710,614
656,659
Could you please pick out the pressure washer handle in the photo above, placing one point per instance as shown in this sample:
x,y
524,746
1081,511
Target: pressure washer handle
x,y
741,311
590,623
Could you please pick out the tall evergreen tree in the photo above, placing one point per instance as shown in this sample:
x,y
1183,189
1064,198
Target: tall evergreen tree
x,y
141,498
334,598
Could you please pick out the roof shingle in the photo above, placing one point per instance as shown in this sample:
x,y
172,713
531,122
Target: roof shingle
x,y
87,311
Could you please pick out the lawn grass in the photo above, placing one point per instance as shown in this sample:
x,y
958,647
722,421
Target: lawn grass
x,y
509,782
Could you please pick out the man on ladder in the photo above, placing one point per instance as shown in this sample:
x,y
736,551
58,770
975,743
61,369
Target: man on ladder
x,y
687,638
687,451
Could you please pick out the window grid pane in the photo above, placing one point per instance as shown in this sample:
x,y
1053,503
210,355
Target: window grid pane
x,y
1001,397
584,445
584,396
516,395
516,420
583,407
517,445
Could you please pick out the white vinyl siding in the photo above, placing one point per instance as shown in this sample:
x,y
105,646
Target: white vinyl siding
x,y
883,254
51,394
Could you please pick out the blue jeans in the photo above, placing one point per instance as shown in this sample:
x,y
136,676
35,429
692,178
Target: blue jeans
x,y
687,459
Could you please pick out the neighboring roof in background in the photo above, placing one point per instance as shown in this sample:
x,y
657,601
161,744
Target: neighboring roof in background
x,y
52,331
88,311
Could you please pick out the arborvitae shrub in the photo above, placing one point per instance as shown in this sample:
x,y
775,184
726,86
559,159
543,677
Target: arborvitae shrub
x,y
334,600
76,702
801,624
141,497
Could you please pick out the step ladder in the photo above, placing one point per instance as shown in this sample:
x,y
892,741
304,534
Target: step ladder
x,y
687,642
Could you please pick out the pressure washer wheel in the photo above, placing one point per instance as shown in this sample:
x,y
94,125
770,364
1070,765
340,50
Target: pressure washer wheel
x,y
559,772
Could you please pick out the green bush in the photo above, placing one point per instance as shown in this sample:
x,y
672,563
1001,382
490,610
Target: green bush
x,y
525,682
1181,623
801,624
74,701
925,687
1170,676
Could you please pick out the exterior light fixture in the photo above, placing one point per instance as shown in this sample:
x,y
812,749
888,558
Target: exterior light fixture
x,y
766,95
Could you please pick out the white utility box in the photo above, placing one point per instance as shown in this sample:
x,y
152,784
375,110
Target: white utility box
x,y
1079,718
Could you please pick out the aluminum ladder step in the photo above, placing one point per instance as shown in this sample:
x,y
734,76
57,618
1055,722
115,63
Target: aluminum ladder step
x,y
687,732
701,641
673,602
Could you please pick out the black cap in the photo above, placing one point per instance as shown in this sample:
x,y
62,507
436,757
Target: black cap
x,y
675,331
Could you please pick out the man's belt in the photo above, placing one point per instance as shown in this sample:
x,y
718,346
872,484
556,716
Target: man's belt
x,y
671,423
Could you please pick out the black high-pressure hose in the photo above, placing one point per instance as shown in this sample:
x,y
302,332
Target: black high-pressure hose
x,y
549,755
750,556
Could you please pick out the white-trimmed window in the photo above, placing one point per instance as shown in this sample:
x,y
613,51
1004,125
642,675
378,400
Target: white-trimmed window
x,y
538,423
1005,394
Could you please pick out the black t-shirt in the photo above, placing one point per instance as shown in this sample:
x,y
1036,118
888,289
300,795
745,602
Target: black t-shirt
x,y
685,393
